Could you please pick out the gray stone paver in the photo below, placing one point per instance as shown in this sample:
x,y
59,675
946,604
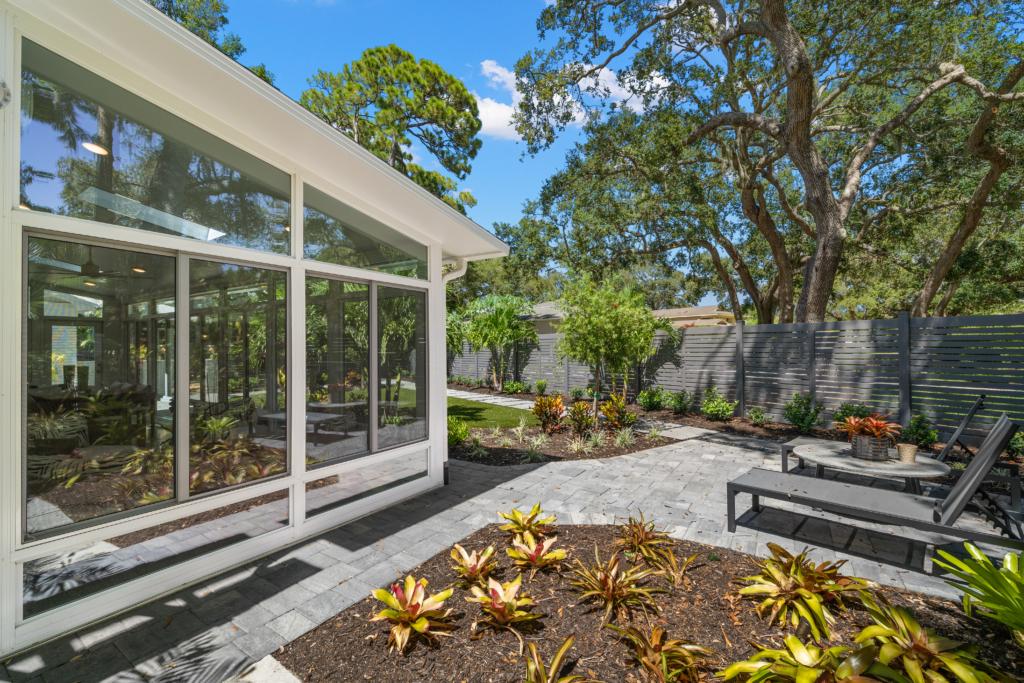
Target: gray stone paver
x,y
231,621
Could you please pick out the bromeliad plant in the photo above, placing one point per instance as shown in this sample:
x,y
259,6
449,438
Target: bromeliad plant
x,y
795,587
923,655
410,609
667,564
473,567
529,552
640,538
800,663
502,606
874,426
999,591
519,524
536,672
619,591
661,659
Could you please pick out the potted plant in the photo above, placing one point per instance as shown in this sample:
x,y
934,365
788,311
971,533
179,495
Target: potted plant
x,y
870,436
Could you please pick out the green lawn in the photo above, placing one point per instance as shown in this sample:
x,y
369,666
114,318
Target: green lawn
x,y
478,414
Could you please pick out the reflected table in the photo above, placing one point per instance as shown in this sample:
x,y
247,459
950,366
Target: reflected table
x,y
838,455
315,419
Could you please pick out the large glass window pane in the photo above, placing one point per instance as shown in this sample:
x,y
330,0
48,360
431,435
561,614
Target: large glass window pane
x,y
336,233
331,493
237,364
57,580
99,379
402,370
337,369
92,150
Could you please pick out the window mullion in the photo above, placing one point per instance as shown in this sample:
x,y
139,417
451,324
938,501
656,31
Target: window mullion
x,y
181,379
374,389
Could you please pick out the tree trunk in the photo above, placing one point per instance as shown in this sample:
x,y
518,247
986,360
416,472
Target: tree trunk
x,y
734,299
597,392
940,310
821,203
756,211
999,161
104,163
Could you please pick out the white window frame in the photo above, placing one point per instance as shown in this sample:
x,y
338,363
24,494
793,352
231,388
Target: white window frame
x,y
17,633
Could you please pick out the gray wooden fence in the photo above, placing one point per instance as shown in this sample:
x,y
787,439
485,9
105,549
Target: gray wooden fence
x,y
936,367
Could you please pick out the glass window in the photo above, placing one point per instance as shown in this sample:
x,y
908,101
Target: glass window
x,y
90,149
57,580
99,378
237,364
331,493
337,369
336,233
402,369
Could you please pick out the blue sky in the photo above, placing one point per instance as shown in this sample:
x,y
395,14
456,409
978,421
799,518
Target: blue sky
x,y
477,42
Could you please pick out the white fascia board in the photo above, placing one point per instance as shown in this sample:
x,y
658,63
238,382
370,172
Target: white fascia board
x,y
157,49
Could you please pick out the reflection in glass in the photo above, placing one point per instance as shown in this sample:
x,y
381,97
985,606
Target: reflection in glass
x,y
99,380
402,371
330,493
57,580
337,369
336,233
237,407
92,150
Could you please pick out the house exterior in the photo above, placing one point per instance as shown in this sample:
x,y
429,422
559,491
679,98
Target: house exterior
x,y
547,315
230,329
700,316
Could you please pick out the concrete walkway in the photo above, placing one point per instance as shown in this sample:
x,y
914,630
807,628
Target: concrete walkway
x,y
211,632
523,404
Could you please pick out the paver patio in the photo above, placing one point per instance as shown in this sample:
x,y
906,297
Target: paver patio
x,y
210,632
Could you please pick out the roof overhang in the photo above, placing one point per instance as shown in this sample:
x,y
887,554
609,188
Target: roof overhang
x,y
170,63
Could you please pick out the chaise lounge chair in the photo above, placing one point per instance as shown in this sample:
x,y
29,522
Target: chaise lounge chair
x,y
936,515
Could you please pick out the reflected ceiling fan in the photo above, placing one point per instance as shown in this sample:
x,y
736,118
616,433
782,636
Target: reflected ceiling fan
x,y
90,270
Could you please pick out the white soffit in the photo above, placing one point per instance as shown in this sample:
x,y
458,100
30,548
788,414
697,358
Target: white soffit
x,y
210,84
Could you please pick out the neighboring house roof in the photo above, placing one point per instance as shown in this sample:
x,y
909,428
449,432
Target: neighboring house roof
x,y
549,310
698,316
143,50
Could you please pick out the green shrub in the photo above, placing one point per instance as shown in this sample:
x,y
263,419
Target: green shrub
x,y
556,392
846,410
1016,446
682,400
616,414
757,416
920,432
715,407
517,388
802,412
652,399
576,392
542,386
458,430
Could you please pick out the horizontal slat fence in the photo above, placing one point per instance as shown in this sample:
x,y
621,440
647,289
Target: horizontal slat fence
x,y
936,367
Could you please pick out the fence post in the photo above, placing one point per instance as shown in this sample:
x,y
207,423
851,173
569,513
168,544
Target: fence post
x,y
904,347
682,356
565,364
740,392
812,365
515,361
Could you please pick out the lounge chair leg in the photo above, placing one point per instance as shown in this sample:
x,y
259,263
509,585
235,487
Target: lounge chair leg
x,y
800,461
755,504
785,460
731,504
1015,494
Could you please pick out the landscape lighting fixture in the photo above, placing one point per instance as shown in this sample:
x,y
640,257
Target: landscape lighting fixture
x,y
95,149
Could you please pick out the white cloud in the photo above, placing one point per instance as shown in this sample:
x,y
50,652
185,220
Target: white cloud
x,y
608,79
496,118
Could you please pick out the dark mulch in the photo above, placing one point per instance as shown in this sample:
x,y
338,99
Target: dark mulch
x,y
556,448
350,648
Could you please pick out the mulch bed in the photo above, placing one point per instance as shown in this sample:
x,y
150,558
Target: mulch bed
x,y
556,448
350,648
